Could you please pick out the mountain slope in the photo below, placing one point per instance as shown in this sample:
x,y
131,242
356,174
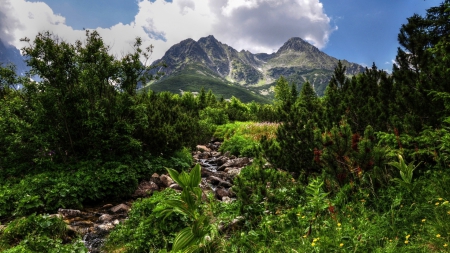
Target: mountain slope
x,y
297,60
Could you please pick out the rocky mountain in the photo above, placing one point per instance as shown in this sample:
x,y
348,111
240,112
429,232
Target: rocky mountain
x,y
297,60
11,55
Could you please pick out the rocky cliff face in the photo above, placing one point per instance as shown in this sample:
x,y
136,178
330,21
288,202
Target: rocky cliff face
x,y
297,60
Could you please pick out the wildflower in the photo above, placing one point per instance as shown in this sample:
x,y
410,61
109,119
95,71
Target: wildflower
x,y
305,236
440,199
313,244
438,235
340,245
407,237
448,212
445,245
406,242
445,202
298,214
303,216
339,224
423,220
315,239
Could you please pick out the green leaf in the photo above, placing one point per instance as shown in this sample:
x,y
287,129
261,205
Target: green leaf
x,y
174,175
183,239
195,176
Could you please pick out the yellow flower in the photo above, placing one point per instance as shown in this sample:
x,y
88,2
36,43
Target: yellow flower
x,y
305,236
423,220
313,244
303,216
339,224
448,212
298,214
340,245
445,202
445,245
315,239
406,242
407,237
438,235
440,199
437,203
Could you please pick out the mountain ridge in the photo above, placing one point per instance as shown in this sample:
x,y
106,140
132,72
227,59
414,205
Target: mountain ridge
x,y
296,59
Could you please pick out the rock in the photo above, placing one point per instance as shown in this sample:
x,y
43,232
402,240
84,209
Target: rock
x,y
156,179
222,192
107,206
227,200
105,218
144,189
206,173
106,227
238,162
215,154
58,215
83,223
166,180
227,154
222,160
121,208
233,171
203,155
176,187
213,180
69,212
116,222
203,148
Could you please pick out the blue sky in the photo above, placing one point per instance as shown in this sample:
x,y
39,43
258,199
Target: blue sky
x,y
359,31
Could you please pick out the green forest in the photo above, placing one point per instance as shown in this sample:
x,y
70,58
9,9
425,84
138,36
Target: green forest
x,y
364,168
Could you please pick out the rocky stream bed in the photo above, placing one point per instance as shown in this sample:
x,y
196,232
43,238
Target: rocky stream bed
x,y
96,222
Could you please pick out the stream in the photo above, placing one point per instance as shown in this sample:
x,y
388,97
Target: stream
x,y
94,223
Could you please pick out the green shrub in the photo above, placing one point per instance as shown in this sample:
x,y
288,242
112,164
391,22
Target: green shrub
x,y
37,233
145,230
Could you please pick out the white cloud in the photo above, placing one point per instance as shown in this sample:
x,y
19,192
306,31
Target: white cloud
x,y
261,25
254,25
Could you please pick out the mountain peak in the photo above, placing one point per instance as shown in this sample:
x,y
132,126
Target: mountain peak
x,y
296,44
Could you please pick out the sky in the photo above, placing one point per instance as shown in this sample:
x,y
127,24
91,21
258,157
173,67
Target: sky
x,y
362,32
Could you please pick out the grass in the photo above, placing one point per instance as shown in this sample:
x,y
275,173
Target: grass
x,y
193,78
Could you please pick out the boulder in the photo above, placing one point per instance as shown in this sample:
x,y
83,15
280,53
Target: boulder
x,y
69,212
107,206
204,155
176,187
222,192
206,173
166,180
203,148
144,189
233,171
105,218
238,162
120,208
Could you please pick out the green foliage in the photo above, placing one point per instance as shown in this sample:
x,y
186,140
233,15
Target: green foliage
x,y
145,230
242,138
193,237
406,172
37,233
195,77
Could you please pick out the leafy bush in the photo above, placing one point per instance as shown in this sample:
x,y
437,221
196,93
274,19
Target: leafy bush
x,y
37,233
145,229
242,138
